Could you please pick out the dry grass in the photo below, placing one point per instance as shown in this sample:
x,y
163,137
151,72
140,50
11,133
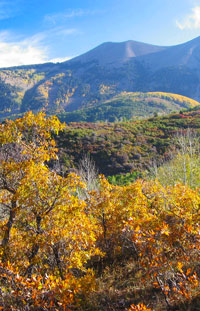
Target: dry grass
x,y
121,284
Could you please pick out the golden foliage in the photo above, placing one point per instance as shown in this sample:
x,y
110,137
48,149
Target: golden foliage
x,y
49,235
139,307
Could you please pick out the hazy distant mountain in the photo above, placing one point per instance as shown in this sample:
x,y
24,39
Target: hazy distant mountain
x,y
117,53
186,54
101,74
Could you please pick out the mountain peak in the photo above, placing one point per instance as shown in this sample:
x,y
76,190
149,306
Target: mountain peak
x,y
117,53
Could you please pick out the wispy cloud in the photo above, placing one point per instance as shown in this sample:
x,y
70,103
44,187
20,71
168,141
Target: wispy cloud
x,y
191,21
52,34
7,9
15,50
59,31
63,16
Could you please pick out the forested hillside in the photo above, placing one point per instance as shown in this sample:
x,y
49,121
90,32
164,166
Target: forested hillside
x,y
126,106
123,147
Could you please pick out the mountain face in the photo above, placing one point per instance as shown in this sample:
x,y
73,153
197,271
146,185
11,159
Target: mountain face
x,y
115,54
186,54
100,74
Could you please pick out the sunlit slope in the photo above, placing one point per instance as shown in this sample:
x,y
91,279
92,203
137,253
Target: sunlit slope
x,y
128,105
16,81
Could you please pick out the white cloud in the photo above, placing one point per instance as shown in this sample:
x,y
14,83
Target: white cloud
x,y
15,54
192,21
59,59
16,51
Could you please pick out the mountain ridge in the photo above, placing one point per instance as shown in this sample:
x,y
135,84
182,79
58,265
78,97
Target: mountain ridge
x,y
100,74
117,52
184,54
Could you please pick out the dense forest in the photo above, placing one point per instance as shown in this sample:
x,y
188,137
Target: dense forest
x,y
72,240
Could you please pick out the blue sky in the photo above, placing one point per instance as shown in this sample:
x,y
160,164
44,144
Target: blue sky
x,y
36,31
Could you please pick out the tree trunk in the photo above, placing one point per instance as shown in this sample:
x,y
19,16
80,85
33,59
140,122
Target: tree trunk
x,y
9,225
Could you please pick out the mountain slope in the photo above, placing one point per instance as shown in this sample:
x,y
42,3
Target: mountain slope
x,y
130,105
186,54
117,53
99,75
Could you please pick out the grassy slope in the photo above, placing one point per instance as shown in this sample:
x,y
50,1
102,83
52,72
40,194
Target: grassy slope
x,y
124,106
128,105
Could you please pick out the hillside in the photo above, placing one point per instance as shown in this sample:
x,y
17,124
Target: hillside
x,y
120,148
99,75
130,105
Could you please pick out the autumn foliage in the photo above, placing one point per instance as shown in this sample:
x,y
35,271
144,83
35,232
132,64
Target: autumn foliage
x,y
46,233
139,307
51,237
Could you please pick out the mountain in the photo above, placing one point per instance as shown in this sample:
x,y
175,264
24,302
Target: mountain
x,y
186,54
117,53
90,80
